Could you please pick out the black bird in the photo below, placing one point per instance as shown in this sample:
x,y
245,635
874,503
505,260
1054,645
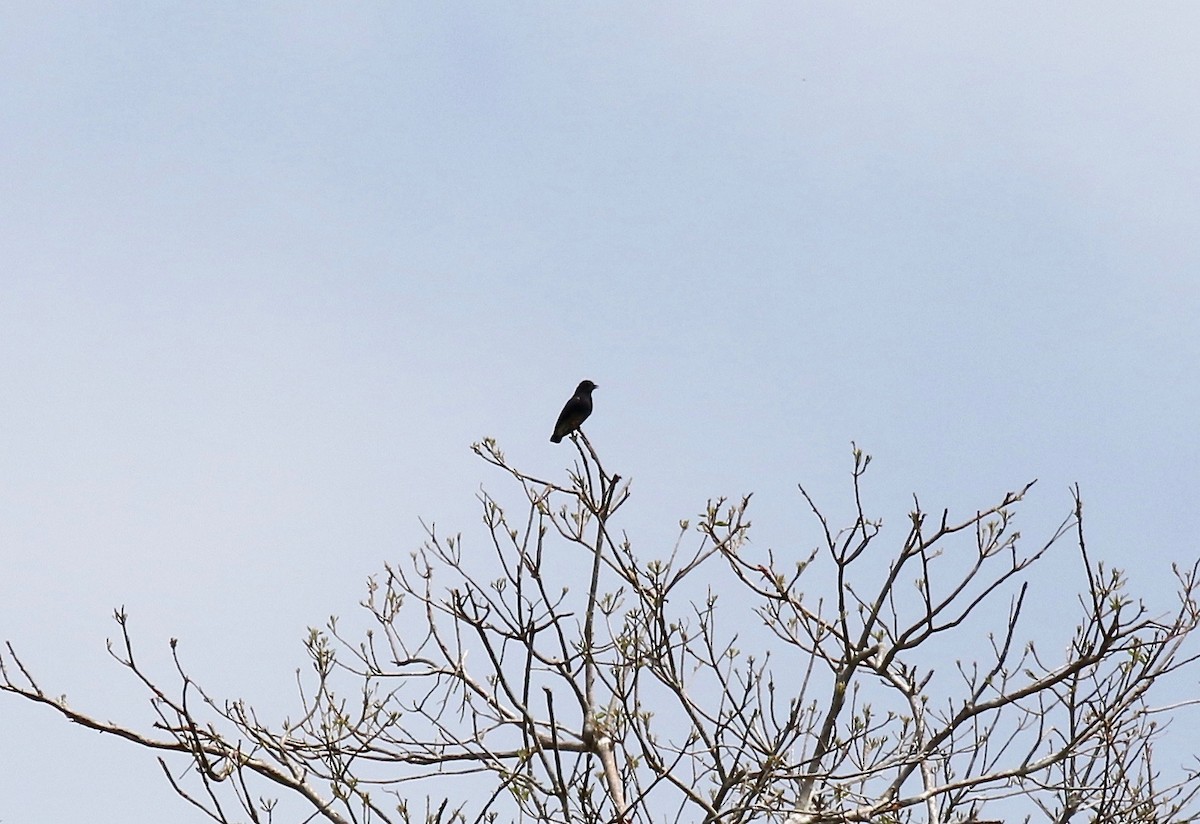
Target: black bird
x,y
575,412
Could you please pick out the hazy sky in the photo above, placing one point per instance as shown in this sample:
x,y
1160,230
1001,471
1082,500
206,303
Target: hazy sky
x,y
269,269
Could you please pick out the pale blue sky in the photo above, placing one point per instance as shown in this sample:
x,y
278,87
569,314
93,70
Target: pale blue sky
x,y
268,271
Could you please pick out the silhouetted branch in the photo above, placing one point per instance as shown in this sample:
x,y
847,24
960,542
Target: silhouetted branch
x,y
553,672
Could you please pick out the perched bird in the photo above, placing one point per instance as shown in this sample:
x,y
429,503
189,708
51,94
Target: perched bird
x,y
575,412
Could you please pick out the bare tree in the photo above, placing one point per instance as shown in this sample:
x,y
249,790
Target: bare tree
x,y
565,677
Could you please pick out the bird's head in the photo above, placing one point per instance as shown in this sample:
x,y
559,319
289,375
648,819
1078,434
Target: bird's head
x,y
585,386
